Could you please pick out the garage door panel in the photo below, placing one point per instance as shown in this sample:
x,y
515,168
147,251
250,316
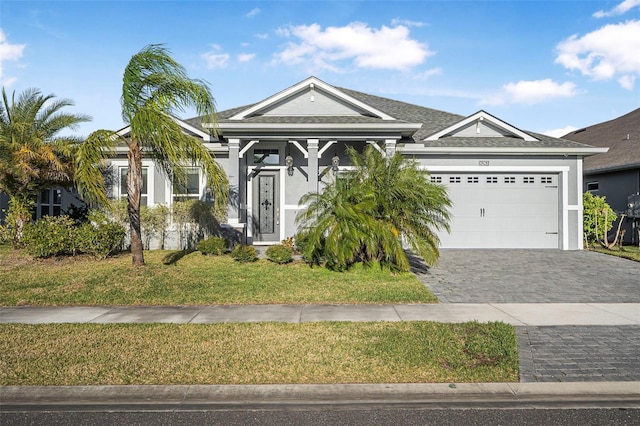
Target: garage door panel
x,y
502,211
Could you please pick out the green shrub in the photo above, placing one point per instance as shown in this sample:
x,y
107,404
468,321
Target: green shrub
x,y
311,254
50,236
244,253
59,236
100,240
213,245
279,254
596,209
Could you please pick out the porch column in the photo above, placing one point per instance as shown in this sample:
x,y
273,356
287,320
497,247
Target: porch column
x,y
312,148
390,147
234,179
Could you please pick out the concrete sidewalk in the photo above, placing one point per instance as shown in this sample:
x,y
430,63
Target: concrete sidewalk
x,y
518,314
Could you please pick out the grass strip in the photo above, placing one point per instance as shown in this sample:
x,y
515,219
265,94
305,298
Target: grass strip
x,y
259,353
626,252
194,279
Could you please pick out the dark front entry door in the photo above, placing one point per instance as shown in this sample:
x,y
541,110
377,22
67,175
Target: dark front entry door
x,y
266,206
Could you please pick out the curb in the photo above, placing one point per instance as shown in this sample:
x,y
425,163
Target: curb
x,y
177,397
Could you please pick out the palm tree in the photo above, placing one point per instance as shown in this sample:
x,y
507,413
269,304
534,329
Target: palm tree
x,y
368,213
154,88
33,155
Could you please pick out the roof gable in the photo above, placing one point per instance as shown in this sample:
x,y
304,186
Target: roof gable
x,y
310,97
481,124
186,128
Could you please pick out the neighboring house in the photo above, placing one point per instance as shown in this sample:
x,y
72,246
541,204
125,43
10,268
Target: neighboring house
x,y
510,188
616,173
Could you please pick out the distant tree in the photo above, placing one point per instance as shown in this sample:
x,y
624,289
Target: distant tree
x,y
33,154
154,88
367,213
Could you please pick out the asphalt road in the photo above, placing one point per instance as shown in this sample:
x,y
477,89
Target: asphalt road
x,y
328,416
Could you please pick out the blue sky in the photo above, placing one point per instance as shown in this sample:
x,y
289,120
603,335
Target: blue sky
x,y
543,66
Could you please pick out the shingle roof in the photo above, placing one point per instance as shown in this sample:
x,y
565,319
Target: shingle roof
x,y
432,121
621,135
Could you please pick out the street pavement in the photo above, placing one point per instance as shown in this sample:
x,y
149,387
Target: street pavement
x,y
577,317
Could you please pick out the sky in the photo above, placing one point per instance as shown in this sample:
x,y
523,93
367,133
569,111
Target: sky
x,y
543,66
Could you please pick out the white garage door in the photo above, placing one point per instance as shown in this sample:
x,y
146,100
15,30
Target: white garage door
x,y
501,210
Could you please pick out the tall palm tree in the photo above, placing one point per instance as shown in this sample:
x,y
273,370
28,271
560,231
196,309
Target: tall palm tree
x,y
33,154
154,88
369,212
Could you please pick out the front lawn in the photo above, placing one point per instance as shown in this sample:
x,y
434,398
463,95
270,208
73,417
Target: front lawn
x,y
627,252
262,353
193,279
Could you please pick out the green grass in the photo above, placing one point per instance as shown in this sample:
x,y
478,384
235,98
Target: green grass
x,y
627,252
194,279
328,352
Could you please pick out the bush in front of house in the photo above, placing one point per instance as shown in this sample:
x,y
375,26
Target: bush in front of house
x,y
100,240
60,236
244,253
213,245
50,236
279,254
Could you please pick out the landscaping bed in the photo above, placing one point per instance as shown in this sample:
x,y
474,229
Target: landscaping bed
x,y
626,252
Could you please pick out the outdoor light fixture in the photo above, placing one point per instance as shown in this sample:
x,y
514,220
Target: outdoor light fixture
x,y
288,161
335,162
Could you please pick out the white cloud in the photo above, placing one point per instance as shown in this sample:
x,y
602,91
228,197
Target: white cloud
x,y
606,53
397,21
262,36
215,58
252,13
558,133
246,57
620,9
530,92
8,52
424,75
365,47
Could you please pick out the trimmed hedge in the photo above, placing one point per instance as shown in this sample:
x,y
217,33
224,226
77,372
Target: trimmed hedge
x,y
279,254
244,253
213,245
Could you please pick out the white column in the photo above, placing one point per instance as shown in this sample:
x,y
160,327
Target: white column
x,y
234,178
312,148
390,147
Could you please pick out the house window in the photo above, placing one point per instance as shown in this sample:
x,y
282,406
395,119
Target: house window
x,y
593,186
546,179
50,202
436,179
189,187
529,179
270,157
454,179
509,179
143,192
492,179
472,179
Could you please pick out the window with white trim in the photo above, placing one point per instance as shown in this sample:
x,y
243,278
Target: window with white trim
x,y
144,195
593,186
189,186
269,157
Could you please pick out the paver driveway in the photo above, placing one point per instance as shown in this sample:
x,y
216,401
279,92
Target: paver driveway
x,y
551,353
532,276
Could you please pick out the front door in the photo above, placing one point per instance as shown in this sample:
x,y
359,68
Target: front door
x,y
266,206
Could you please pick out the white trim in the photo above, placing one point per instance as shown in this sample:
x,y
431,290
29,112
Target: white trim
x,y
295,206
377,147
387,126
246,148
313,83
300,148
282,206
421,149
151,171
325,147
481,116
565,210
580,206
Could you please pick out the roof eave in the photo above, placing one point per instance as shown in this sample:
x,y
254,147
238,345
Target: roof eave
x,y
421,149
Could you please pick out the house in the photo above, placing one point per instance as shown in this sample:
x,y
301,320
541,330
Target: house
x,y
614,174
510,188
